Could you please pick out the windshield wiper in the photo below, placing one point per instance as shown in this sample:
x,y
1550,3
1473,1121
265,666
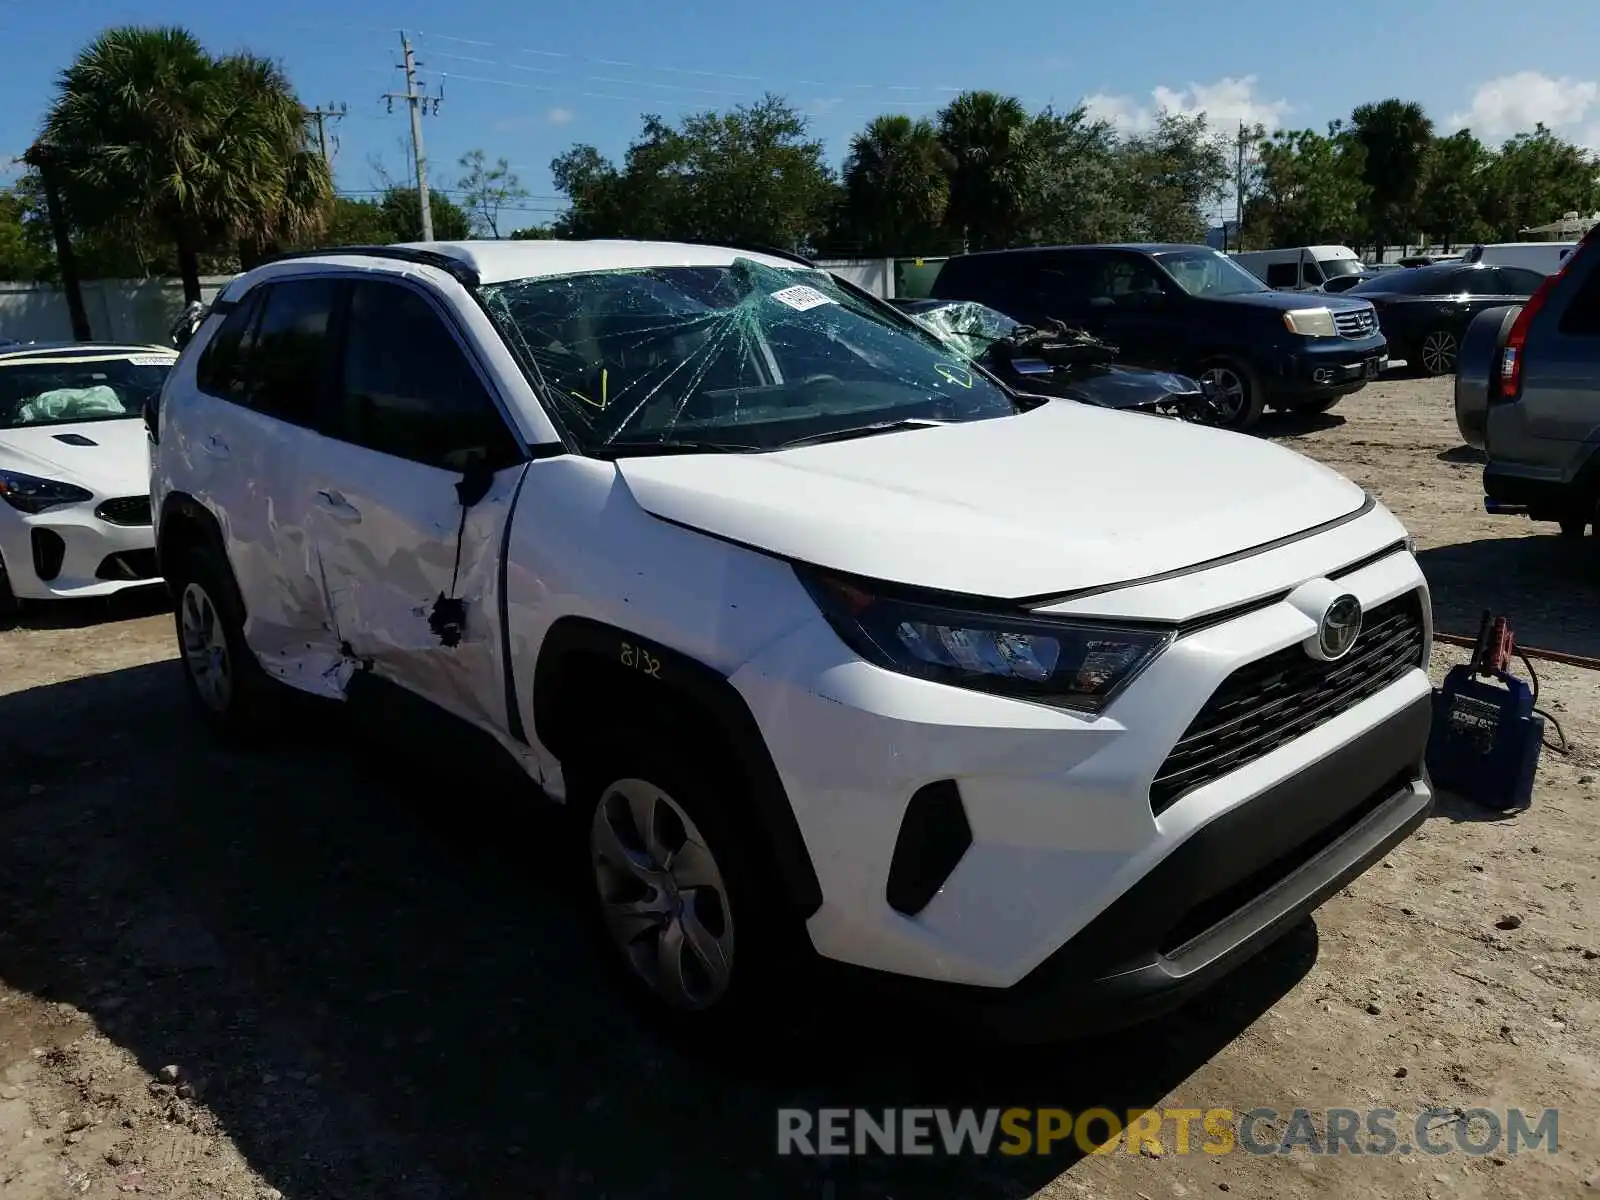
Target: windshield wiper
x,y
858,431
640,447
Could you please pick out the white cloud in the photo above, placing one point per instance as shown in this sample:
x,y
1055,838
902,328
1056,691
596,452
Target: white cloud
x,y
1225,102
1513,103
559,116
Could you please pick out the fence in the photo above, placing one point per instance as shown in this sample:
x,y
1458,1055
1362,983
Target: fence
x,y
119,310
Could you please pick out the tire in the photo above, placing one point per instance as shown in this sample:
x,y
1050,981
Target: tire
x,y
1438,352
235,697
694,938
1574,527
1239,398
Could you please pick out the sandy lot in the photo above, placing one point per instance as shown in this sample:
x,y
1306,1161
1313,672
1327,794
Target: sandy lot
x,y
228,975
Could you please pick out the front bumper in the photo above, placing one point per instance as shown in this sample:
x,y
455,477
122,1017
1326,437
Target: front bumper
x,y
1061,826
1227,893
1315,370
71,552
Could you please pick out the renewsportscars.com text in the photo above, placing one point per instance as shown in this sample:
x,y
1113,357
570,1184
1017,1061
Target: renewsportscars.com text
x,y
1017,1131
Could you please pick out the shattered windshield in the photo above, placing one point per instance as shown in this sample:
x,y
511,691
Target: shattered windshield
x,y
738,357
970,328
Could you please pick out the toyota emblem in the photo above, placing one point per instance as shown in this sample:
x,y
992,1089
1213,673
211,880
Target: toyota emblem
x,y
1340,626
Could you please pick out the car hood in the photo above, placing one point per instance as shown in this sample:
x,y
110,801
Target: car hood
x,y
1284,301
1064,497
114,462
1126,387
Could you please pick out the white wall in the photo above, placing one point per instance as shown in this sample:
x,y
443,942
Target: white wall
x,y
875,275
120,310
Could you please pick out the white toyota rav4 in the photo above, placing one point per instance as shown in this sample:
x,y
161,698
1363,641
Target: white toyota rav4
x,y
1046,713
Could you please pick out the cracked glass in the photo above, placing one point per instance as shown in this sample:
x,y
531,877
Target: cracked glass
x,y
742,356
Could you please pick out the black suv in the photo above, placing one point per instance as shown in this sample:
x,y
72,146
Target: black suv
x,y
1189,309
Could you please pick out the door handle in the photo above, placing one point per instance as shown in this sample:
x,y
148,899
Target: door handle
x,y
337,506
214,446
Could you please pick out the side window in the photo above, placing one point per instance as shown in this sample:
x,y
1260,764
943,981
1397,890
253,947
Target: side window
x,y
1311,273
289,359
1490,281
221,371
409,389
1283,275
1582,315
1124,283
1519,281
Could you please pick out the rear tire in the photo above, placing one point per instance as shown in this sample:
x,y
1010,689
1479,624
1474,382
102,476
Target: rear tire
x,y
673,895
234,696
1235,392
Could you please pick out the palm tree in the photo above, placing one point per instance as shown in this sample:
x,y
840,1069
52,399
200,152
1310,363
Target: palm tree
x,y
895,184
992,174
152,131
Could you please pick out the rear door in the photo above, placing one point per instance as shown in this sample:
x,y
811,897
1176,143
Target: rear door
x,y
412,571
262,379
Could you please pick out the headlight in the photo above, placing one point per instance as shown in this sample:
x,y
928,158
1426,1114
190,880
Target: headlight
x,y
1311,322
30,494
1067,664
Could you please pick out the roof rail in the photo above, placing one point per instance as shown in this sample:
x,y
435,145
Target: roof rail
x,y
462,272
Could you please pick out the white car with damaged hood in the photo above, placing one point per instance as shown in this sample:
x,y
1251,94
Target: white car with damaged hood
x,y
75,468
838,652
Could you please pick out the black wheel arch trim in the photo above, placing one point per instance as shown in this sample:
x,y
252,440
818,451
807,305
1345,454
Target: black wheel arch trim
x,y
184,506
713,691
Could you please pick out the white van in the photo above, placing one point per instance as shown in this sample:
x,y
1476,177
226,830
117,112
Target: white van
x,y
1298,268
1544,257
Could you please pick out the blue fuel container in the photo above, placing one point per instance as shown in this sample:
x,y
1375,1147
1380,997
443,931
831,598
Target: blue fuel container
x,y
1485,741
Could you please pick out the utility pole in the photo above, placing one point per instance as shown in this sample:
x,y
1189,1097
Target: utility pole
x,y
321,115
418,102
1238,190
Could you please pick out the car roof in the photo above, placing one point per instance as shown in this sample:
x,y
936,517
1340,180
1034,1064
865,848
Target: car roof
x,y
490,262
1136,247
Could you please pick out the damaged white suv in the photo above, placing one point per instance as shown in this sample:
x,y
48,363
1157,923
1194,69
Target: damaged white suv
x,y
1045,713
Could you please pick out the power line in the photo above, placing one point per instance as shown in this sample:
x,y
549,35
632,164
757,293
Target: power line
x,y
321,115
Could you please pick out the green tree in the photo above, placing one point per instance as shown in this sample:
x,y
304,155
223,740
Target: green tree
x,y
533,233
361,223
749,176
1534,179
1310,189
23,257
1072,180
895,187
1397,136
152,132
1171,177
451,222
486,189
992,161
1450,206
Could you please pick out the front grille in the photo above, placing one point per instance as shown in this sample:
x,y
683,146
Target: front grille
x,y
125,510
1356,323
1276,699
129,565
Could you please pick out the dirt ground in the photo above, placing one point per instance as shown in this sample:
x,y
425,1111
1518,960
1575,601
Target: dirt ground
x,y
296,974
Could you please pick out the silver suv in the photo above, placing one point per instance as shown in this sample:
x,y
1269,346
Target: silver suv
x,y
1528,394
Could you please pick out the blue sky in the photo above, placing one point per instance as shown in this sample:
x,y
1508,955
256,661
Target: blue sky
x,y
524,81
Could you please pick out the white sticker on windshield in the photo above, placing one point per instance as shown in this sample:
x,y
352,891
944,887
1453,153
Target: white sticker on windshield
x,y
152,360
800,297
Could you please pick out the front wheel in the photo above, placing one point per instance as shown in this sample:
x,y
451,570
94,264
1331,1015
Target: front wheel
x,y
1235,396
1439,352
10,606
680,914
